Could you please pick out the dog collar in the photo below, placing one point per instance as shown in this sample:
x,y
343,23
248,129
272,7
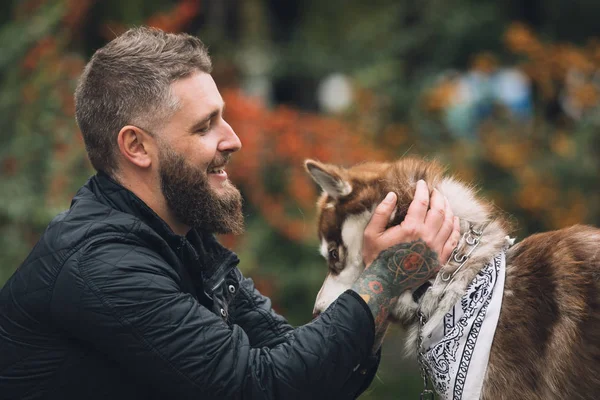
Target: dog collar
x,y
461,253
467,244
417,294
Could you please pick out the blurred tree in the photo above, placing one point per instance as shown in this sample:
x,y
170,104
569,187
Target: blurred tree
x,y
41,154
544,173
42,158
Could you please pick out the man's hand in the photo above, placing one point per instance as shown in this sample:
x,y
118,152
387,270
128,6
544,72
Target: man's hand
x,y
428,219
404,256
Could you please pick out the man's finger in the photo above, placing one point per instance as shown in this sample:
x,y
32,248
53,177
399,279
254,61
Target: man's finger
x,y
417,210
436,214
451,242
445,230
382,214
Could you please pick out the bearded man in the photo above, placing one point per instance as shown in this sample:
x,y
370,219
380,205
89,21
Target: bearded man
x,y
128,295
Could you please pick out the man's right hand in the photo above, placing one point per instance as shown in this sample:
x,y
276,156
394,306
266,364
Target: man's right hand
x,y
428,219
407,255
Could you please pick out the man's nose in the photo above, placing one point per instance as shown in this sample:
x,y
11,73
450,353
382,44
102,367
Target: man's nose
x,y
230,142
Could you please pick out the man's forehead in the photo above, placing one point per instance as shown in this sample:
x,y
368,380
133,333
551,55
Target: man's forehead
x,y
197,94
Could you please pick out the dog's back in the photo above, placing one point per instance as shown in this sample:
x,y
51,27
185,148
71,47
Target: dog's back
x,y
547,343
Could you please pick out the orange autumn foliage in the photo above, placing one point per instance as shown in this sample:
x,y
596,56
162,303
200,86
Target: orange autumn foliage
x,y
177,18
556,69
174,20
530,157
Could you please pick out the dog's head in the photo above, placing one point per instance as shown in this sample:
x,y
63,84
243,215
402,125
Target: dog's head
x,y
346,205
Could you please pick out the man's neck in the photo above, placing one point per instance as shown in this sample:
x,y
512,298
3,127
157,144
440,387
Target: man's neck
x,y
148,190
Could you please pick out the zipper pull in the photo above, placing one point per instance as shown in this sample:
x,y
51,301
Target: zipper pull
x,y
181,243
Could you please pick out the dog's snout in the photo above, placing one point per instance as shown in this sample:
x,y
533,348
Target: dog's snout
x,y
316,313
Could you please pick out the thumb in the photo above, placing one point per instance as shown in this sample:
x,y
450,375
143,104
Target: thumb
x,y
382,214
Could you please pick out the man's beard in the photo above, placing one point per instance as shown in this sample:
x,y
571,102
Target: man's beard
x,y
192,200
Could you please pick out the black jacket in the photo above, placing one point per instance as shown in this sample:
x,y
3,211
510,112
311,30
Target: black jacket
x,y
111,304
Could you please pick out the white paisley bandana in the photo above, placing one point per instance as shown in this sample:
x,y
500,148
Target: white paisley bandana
x,y
458,351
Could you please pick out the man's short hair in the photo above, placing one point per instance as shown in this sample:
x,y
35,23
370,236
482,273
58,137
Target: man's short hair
x,y
128,82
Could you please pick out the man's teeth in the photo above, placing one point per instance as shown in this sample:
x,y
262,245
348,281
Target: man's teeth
x,y
216,171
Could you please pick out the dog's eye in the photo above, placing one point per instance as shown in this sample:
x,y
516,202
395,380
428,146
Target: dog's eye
x,y
333,254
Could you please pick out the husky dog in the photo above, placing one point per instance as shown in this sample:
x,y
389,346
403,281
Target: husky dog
x,y
546,343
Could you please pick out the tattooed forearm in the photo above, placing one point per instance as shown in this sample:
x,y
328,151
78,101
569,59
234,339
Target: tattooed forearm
x,y
399,268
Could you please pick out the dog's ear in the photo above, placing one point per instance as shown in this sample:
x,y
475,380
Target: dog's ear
x,y
329,177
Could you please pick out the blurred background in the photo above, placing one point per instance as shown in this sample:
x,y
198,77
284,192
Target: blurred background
x,y
506,93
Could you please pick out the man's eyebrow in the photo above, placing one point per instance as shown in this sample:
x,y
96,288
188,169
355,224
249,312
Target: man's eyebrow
x,y
198,125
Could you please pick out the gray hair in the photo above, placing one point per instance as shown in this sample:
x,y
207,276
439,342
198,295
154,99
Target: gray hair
x,y
128,81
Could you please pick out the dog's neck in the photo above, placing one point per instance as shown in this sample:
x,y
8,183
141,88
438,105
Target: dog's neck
x,y
445,293
461,254
442,295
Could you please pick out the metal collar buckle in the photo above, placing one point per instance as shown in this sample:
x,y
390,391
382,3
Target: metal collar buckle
x,y
471,238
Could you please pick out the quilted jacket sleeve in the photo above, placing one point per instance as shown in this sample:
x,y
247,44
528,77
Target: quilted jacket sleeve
x,y
126,302
264,327
253,313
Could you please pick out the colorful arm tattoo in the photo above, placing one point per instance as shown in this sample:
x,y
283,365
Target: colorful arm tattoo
x,y
399,268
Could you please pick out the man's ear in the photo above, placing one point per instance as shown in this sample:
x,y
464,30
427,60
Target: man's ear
x,y
329,177
133,145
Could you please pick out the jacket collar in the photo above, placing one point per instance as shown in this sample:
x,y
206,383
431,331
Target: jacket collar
x,y
196,248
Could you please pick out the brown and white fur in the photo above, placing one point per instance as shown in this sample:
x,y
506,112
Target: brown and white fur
x,y
547,342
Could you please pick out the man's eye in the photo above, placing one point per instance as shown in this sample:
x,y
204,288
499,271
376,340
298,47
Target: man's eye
x,y
333,254
204,129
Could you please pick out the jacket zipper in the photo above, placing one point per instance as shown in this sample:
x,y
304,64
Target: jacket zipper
x,y
180,248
